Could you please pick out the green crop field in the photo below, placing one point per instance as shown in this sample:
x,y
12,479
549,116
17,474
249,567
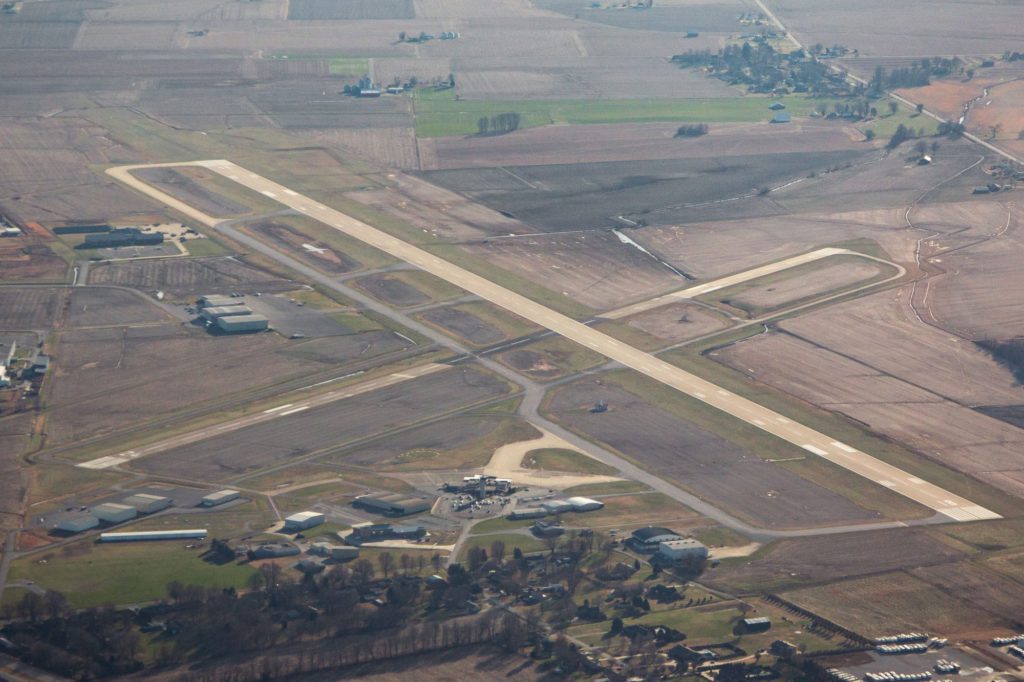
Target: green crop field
x,y
439,114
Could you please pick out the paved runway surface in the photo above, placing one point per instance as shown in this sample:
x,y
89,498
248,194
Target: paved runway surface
x,y
266,415
954,507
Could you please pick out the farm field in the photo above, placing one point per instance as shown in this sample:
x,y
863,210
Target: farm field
x,y
30,308
597,143
556,198
439,114
101,307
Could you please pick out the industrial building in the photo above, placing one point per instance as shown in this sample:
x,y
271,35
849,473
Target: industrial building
x,y
217,300
482,485
302,520
273,550
528,513
556,506
650,538
212,313
219,497
128,236
111,512
370,532
186,534
394,504
238,324
77,524
687,548
584,504
146,503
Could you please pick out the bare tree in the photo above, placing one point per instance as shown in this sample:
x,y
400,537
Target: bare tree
x,y
386,560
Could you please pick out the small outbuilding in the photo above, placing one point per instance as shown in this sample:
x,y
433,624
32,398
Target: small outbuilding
x,y
781,117
776,106
761,624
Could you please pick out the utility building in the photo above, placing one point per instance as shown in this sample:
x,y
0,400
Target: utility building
x,y
686,548
648,539
238,324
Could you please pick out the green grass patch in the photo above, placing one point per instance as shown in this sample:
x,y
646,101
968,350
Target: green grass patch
x,y
526,543
93,574
357,322
720,536
439,114
885,124
348,66
51,480
558,459
500,524
206,247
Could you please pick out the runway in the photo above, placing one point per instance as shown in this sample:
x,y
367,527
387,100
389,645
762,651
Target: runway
x,y
942,501
277,412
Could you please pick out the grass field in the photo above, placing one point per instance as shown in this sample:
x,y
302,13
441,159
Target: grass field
x,y
557,459
613,488
439,114
527,543
885,126
95,574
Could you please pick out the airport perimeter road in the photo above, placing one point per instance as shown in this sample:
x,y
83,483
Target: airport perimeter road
x,y
942,501
739,278
266,415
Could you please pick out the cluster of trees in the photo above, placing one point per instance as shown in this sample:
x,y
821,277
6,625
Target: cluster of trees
x,y
917,74
764,69
692,130
1013,56
902,134
1009,354
498,124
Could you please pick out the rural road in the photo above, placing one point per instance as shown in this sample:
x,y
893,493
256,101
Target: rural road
x,y
951,506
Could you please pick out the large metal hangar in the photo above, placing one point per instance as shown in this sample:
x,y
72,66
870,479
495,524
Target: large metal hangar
x,y
234,324
186,534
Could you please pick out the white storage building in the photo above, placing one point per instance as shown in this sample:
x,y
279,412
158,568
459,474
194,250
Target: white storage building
x,y
584,504
303,520
242,323
187,534
556,506
111,512
146,503
682,549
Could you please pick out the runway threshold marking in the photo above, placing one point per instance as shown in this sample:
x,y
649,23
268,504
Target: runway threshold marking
x,y
657,369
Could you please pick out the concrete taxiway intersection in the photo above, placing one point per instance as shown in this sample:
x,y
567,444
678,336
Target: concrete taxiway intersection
x,y
952,506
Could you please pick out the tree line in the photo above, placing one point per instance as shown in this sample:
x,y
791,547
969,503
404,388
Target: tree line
x,y
918,74
692,130
499,124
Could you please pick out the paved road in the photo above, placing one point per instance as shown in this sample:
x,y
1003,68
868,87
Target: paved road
x,y
738,278
266,415
952,506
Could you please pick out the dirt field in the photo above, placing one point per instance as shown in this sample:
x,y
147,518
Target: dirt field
x,y
801,284
28,259
631,142
109,378
34,308
186,278
596,269
898,602
947,97
551,358
331,426
351,10
702,462
304,247
104,307
803,562
557,198
924,419
677,322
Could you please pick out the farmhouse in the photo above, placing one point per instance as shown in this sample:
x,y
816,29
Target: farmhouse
x,y
394,504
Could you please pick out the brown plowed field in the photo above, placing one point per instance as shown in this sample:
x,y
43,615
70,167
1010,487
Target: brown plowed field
x,y
805,561
594,268
30,308
394,147
102,307
698,460
631,142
